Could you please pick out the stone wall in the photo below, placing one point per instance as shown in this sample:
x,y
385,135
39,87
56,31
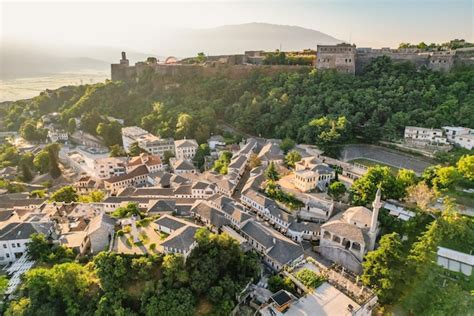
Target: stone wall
x,y
342,257
120,72
364,58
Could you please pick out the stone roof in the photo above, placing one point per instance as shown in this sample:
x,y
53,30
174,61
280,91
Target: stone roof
x,y
170,222
182,164
359,214
16,231
185,143
257,232
100,221
183,189
138,171
213,215
181,239
238,161
216,138
153,191
305,226
348,231
285,251
163,206
271,152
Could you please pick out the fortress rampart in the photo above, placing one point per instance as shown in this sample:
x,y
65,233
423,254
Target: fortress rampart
x,y
345,58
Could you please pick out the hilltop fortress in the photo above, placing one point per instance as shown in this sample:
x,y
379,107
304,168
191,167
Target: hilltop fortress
x,y
344,58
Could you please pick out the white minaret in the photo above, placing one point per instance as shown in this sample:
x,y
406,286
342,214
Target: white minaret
x,y
376,205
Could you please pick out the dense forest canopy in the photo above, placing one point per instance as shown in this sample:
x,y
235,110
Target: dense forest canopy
x,y
377,104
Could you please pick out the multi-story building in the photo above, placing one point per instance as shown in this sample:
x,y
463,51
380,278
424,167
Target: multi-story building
x,y
15,236
185,148
58,135
461,136
310,175
105,168
147,141
340,57
424,135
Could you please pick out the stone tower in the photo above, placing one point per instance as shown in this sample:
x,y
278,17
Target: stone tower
x,y
124,60
376,205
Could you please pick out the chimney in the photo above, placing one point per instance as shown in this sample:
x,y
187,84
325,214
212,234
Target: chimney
x,y
124,55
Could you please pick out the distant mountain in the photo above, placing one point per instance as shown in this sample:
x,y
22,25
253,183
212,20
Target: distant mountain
x,y
20,59
235,39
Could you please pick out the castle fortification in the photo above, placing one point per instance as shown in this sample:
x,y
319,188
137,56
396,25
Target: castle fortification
x,y
344,58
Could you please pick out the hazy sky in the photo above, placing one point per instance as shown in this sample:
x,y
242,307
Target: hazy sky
x,y
375,23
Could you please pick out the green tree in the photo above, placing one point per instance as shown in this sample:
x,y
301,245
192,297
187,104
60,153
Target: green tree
x,y
65,194
110,133
292,158
337,190
92,197
309,278
221,164
127,211
26,174
363,190
117,151
271,173
201,57
167,156
383,268
41,161
67,288
201,154
465,167
172,302
135,150
445,178
54,170
3,284
287,144
406,178
184,126
71,125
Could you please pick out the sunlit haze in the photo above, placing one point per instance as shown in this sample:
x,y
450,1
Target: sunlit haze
x,y
145,26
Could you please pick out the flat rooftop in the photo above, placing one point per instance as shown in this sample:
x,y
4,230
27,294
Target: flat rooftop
x,y
325,300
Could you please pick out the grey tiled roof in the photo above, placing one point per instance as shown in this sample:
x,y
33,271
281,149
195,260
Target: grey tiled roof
x,y
349,231
213,215
183,239
15,231
170,222
285,252
257,232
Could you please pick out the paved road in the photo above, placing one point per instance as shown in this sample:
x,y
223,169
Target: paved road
x,y
386,156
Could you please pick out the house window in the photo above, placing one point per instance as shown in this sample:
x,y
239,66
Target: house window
x,y
5,246
13,245
18,244
8,255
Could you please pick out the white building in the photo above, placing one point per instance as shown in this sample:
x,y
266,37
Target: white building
x,y
453,131
105,168
465,141
185,148
425,135
455,260
15,236
347,237
147,141
215,141
310,175
58,135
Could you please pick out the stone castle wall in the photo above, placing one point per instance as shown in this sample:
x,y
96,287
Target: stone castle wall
x,y
342,58
127,73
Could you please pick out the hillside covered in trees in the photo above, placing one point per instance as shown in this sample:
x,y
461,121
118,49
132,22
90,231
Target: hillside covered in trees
x,y
375,105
